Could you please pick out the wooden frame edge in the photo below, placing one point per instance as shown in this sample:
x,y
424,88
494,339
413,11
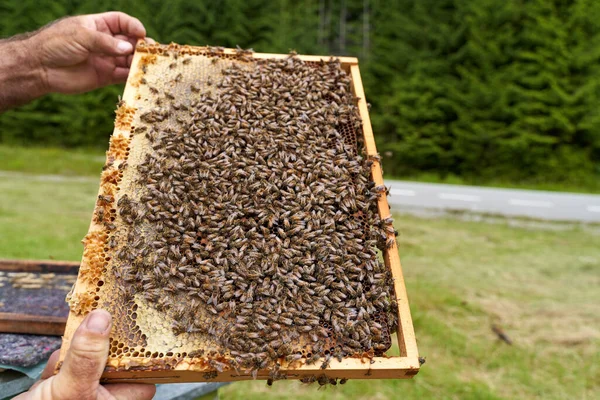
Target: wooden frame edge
x,y
350,368
74,320
32,324
228,51
403,367
43,266
406,334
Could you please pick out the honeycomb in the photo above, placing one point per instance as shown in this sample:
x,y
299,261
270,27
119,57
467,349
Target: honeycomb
x,y
152,329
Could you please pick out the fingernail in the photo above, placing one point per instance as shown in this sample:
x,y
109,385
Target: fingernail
x,y
98,321
124,47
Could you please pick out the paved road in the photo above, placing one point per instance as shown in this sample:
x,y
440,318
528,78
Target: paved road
x,y
508,202
408,196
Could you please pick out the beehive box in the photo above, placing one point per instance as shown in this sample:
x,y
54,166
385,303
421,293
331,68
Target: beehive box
x,y
228,240
32,295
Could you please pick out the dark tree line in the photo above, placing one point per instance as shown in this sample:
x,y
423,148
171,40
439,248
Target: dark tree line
x,y
483,89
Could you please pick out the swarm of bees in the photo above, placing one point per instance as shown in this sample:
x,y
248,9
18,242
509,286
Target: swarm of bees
x,y
256,218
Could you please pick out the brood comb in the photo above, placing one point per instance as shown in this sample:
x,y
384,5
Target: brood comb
x,y
240,222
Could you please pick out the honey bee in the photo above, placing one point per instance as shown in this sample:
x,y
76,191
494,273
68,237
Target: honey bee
x,y
390,242
293,357
104,199
112,242
313,359
100,214
194,87
219,366
326,362
338,354
322,380
210,375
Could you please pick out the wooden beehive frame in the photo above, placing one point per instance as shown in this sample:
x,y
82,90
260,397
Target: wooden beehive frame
x,y
28,323
142,369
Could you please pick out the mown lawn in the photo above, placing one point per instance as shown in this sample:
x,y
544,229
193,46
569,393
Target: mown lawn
x,y
539,285
44,219
51,161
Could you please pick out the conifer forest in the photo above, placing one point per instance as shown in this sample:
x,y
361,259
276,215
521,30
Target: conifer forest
x,y
486,89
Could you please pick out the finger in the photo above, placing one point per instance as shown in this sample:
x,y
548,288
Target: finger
x,y
135,391
149,40
122,61
125,37
120,75
97,42
121,23
35,385
51,365
130,39
80,373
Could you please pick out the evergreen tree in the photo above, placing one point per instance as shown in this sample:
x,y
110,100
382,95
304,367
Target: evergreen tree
x,y
483,89
499,89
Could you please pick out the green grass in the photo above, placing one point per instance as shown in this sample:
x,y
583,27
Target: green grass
x,y
540,285
44,219
51,161
590,184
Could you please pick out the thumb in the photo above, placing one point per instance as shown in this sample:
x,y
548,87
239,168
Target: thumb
x,y
97,42
80,374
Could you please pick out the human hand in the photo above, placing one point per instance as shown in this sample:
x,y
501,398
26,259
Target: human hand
x,y
81,53
79,376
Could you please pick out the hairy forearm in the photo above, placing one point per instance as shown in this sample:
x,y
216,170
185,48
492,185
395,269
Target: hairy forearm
x,y
20,76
